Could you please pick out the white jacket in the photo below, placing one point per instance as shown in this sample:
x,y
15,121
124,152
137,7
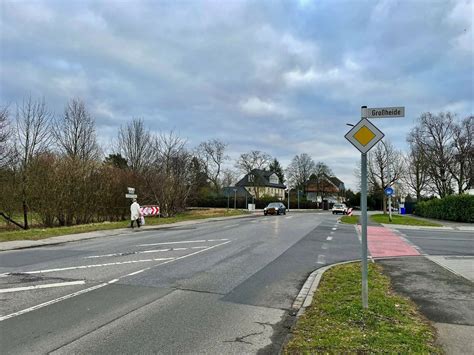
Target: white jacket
x,y
134,211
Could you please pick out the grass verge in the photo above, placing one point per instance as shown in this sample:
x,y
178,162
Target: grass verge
x,y
42,233
336,322
405,220
350,219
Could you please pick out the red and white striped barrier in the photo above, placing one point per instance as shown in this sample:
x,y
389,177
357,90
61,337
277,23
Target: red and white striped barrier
x,y
150,210
349,212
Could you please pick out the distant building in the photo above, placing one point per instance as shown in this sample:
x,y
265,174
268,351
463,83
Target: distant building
x,y
326,188
259,183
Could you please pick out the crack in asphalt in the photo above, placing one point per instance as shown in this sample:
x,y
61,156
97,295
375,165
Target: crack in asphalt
x,y
241,339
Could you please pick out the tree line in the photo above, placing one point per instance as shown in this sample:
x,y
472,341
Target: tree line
x,y
439,160
53,166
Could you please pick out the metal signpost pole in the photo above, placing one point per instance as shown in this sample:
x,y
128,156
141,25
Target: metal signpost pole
x,y
288,198
364,135
389,196
363,205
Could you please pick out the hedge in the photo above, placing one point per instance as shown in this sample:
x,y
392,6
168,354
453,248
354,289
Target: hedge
x,y
459,208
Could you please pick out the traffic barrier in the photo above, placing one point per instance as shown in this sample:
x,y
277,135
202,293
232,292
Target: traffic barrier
x,y
150,210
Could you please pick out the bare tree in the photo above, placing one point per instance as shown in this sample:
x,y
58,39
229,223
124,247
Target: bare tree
x,y
229,177
212,154
136,145
252,163
433,138
75,132
300,169
4,134
462,168
320,175
382,160
173,173
416,168
32,136
254,159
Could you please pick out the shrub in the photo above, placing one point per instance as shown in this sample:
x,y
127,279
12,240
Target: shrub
x,y
459,208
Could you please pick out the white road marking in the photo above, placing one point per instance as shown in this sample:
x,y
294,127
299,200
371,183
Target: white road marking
x,y
200,247
36,287
324,246
180,249
23,311
321,259
154,251
11,315
329,238
166,243
137,272
95,265
216,240
334,228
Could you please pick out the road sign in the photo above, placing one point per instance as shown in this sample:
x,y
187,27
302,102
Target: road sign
x,y
150,210
130,196
364,135
389,191
379,112
131,190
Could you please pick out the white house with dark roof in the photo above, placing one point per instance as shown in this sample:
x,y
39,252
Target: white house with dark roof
x,y
261,183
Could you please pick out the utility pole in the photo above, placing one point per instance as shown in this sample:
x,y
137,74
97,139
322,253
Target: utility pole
x,y
288,198
235,199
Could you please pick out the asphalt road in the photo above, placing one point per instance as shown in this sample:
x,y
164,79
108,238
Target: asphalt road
x,y
220,287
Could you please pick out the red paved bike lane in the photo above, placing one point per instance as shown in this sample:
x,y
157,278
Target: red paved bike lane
x,y
383,242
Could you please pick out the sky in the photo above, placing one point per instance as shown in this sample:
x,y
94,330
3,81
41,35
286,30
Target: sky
x,y
282,77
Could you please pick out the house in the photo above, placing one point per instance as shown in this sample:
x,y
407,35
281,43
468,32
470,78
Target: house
x,y
260,183
326,188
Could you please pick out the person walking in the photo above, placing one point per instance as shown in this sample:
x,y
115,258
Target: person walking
x,y
135,213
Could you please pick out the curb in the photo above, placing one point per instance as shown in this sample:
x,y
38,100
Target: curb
x,y
306,294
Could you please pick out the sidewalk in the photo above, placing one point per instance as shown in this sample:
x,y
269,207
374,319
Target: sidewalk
x,y
442,287
22,244
445,298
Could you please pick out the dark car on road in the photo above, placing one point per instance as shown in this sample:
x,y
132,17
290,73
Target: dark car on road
x,y
275,208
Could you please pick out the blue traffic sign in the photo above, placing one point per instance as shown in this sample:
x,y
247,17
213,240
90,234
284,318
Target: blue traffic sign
x,y
389,191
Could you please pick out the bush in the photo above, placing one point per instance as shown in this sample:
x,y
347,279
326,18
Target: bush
x,y
459,208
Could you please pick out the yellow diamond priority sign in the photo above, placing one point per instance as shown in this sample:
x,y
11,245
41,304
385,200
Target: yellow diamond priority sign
x,y
364,135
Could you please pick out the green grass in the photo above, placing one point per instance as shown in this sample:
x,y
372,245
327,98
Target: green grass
x,y
42,233
400,219
350,219
336,322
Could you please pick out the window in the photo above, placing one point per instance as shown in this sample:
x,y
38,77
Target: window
x,y
251,178
274,179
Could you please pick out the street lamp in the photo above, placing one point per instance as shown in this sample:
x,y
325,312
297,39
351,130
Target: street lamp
x,y
235,199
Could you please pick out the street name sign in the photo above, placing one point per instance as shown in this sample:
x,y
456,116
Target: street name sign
x,y
379,112
364,135
130,196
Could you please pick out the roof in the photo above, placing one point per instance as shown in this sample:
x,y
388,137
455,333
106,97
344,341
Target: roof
x,y
241,191
262,179
336,181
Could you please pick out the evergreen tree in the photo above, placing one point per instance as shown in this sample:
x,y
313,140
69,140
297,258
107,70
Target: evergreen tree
x,y
277,169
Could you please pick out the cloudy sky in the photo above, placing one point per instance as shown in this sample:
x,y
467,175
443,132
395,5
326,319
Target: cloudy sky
x,y
283,77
